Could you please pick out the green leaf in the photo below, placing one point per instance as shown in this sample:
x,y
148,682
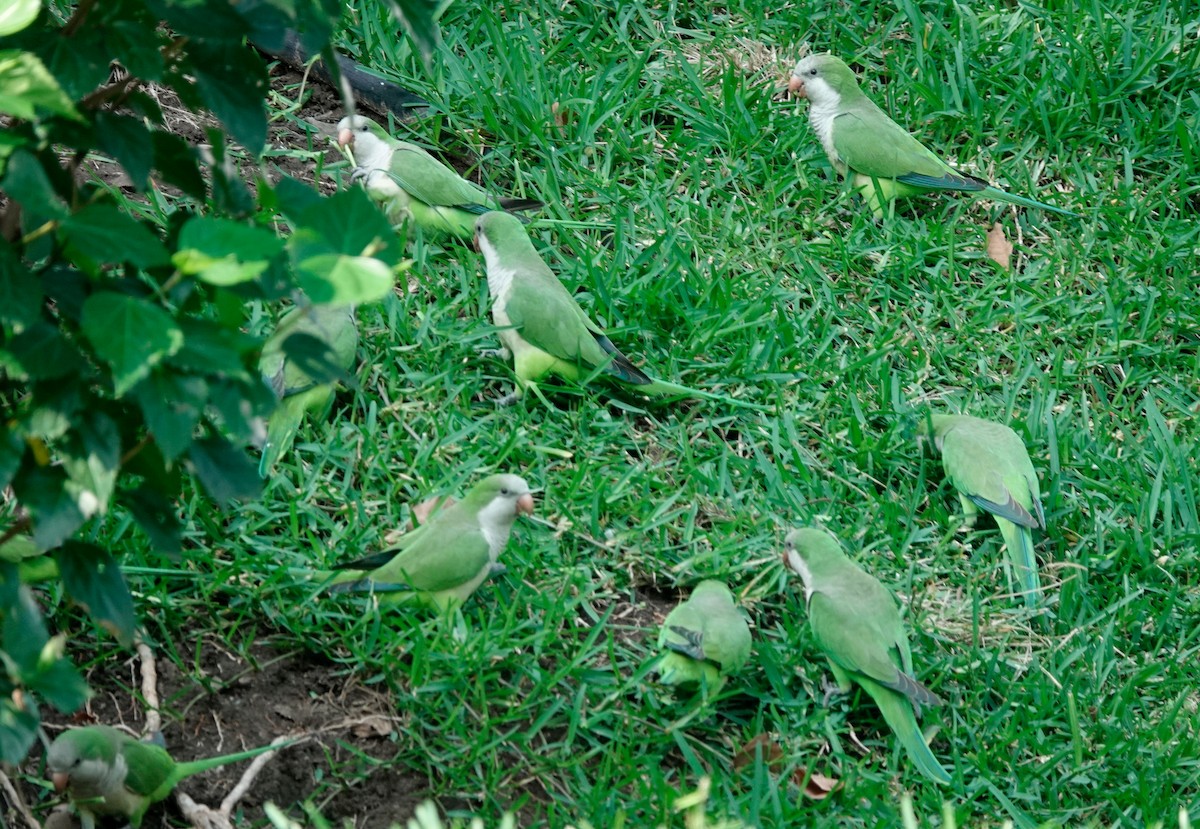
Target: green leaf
x,y
349,223
224,471
20,291
128,141
419,18
230,399
177,162
315,358
102,233
51,499
93,579
224,252
295,198
79,63
12,449
18,730
172,405
156,516
25,181
92,458
44,353
27,88
344,280
130,334
232,82
15,15
212,20
212,348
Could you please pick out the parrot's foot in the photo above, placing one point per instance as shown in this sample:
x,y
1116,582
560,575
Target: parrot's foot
x,y
828,691
359,173
496,570
501,353
508,399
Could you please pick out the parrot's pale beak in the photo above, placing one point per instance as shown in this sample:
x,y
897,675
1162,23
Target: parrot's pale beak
x,y
525,504
796,87
347,137
60,781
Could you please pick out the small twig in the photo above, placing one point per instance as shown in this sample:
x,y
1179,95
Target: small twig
x,y
17,802
149,687
243,785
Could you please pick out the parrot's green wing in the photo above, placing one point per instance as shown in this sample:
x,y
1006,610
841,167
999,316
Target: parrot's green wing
x,y
447,556
853,640
149,768
873,144
993,481
429,180
550,319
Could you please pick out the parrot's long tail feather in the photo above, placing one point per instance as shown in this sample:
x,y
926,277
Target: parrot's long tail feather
x,y
1012,198
898,712
1019,542
196,766
664,388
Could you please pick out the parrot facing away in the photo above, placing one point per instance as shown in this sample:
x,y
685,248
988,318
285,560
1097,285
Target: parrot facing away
x,y
703,639
542,326
441,562
106,772
881,159
406,181
299,393
856,624
989,466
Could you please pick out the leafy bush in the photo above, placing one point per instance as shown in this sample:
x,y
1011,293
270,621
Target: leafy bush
x,y
124,369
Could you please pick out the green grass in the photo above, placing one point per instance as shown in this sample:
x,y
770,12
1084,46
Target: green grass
x,y
698,220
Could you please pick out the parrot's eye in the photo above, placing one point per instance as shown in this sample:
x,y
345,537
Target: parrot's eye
x,y
504,491
813,71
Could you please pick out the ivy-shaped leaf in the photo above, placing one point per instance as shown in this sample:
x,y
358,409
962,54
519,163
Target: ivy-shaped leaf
x,y
92,577
130,334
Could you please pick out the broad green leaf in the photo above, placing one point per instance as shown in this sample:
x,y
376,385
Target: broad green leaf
x,y
52,500
224,471
315,359
215,20
128,141
344,280
178,164
25,181
57,681
27,88
295,198
102,233
15,15
172,405
232,81
130,334
156,516
92,457
79,63
18,729
419,18
20,290
223,251
212,348
12,448
92,577
44,353
349,223
240,404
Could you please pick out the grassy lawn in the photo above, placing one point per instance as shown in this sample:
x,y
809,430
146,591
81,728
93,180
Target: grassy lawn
x,y
694,215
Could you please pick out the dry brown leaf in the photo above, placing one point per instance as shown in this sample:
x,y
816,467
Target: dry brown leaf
x,y
772,754
818,786
999,249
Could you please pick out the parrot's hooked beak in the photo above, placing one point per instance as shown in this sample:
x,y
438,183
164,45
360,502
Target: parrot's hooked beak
x,y
347,137
525,504
60,781
796,87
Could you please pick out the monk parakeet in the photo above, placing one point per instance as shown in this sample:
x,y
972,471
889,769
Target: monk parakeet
x,y
106,772
856,624
703,639
882,161
298,393
988,464
406,181
542,326
441,563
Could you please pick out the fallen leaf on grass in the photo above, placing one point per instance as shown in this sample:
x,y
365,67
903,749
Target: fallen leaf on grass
x,y
816,786
999,249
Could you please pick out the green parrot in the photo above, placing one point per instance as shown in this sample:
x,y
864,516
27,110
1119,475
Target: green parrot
x,y
106,772
881,159
298,393
441,563
988,464
406,181
703,639
543,328
856,624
